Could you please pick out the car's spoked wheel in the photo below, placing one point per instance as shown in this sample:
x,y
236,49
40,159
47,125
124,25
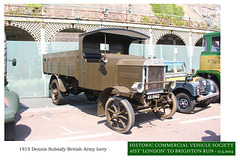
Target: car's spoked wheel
x,y
168,110
119,114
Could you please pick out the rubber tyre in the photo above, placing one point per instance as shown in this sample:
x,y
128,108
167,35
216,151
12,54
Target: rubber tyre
x,y
173,108
186,103
91,96
120,114
204,104
56,95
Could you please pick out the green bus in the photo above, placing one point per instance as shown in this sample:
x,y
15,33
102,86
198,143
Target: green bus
x,y
210,59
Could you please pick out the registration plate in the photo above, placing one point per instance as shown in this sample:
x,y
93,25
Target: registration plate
x,y
153,96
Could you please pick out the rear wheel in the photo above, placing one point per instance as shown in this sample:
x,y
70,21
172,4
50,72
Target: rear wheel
x,y
120,115
56,95
91,96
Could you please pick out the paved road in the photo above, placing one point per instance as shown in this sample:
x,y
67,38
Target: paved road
x,y
40,120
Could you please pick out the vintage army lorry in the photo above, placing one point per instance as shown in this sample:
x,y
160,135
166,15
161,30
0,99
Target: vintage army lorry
x,y
125,85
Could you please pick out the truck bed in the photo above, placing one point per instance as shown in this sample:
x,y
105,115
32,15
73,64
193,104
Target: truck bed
x,y
61,63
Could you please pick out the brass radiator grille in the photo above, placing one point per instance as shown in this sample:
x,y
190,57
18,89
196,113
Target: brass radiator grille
x,y
155,74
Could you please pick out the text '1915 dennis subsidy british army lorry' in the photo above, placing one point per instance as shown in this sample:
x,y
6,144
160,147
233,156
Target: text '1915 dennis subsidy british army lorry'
x,y
125,85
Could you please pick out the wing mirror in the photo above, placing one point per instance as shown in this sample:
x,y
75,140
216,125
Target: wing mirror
x,y
192,72
14,62
104,60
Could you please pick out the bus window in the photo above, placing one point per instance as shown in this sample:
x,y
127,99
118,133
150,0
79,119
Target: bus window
x,y
215,44
205,44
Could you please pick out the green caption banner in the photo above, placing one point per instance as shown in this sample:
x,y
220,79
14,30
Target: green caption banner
x,y
181,148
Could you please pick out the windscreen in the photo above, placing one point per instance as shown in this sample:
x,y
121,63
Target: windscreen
x,y
174,67
215,44
106,43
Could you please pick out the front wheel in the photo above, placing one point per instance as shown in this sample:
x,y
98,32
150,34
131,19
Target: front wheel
x,y
120,115
169,109
186,103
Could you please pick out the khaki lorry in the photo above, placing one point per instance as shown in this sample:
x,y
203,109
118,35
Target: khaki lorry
x,y
125,85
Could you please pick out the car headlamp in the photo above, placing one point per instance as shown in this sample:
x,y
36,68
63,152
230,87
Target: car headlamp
x,y
204,82
138,86
212,87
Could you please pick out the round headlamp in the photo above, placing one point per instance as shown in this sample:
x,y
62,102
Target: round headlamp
x,y
138,86
204,82
213,89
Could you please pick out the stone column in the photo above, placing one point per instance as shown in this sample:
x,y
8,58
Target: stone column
x,y
190,50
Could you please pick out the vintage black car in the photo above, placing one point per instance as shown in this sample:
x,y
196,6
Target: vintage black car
x,y
189,91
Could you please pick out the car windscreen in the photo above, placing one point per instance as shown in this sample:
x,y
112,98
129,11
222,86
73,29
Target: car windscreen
x,y
174,67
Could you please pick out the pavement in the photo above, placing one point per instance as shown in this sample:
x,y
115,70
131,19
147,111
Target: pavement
x,y
40,120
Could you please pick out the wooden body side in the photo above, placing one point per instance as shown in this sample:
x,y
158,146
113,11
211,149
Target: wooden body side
x,y
62,63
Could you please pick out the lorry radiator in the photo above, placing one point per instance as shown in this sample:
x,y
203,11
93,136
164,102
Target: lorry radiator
x,y
155,74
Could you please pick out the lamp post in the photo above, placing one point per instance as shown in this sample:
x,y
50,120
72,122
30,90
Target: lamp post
x,y
128,11
105,12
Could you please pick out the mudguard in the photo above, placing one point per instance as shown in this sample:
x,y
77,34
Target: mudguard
x,y
114,90
61,82
188,86
216,73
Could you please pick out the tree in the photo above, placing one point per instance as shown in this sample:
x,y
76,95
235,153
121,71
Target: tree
x,y
168,9
35,9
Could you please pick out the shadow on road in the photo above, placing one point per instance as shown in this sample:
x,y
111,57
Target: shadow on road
x,y
82,103
200,109
22,131
212,137
90,107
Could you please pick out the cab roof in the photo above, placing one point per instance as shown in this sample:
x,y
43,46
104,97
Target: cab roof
x,y
117,40
212,34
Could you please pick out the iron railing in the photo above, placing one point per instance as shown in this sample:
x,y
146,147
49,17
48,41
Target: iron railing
x,y
103,14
